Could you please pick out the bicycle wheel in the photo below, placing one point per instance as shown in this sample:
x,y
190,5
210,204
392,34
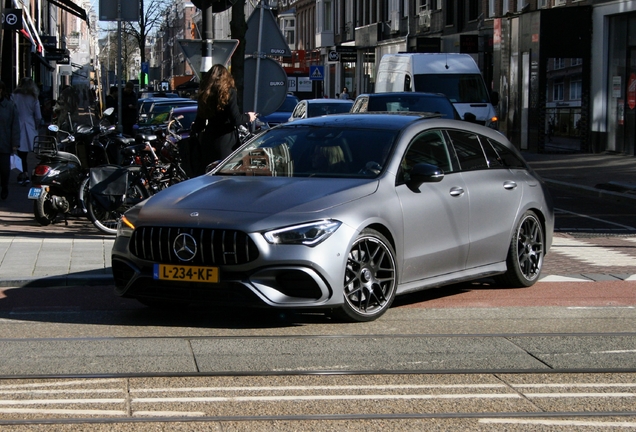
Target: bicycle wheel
x,y
106,220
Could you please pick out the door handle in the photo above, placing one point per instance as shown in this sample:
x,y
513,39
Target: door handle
x,y
509,185
456,191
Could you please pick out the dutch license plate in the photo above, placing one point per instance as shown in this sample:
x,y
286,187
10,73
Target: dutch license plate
x,y
34,193
185,273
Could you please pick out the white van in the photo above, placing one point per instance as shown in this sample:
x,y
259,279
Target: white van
x,y
455,75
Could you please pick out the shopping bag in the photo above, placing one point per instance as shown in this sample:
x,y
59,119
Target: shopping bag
x,y
16,162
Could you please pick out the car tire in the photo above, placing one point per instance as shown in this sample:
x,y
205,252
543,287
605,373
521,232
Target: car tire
x,y
525,254
370,280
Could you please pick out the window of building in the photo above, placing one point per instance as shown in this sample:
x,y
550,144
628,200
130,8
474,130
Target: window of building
x,y
542,4
576,89
288,27
559,63
505,8
473,9
491,8
557,91
450,12
577,61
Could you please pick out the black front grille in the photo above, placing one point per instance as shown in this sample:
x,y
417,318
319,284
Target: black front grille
x,y
214,246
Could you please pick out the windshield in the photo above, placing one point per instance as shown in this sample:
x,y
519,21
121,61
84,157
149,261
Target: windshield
x,y
311,151
458,88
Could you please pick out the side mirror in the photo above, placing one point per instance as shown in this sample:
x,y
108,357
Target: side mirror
x,y
109,111
424,173
53,128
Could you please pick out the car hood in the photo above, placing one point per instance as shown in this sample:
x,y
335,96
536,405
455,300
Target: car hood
x,y
217,198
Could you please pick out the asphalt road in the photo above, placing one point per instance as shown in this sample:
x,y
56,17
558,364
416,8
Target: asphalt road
x,y
556,356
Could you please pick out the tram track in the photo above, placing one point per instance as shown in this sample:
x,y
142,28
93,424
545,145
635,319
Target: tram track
x,y
291,401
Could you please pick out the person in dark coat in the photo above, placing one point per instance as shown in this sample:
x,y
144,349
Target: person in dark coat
x,y
129,111
9,138
111,102
218,116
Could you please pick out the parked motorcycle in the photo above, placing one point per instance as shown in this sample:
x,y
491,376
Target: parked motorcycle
x,y
60,179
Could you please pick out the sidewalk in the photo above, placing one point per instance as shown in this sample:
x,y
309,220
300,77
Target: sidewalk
x,y
78,254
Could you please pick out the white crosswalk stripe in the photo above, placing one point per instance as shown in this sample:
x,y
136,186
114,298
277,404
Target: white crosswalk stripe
x,y
592,254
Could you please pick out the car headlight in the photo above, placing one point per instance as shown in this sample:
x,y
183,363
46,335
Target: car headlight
x,y
308,234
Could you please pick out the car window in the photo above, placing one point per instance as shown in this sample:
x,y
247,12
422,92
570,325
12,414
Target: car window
x,y
506,157
468,149
360,105
303,151
429,147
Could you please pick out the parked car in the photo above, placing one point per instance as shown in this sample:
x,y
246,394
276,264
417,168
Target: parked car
x,y
157,110
341,213
154,94
317,107
434,103
184,117
282,114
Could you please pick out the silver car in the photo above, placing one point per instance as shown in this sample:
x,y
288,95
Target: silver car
x,y
341,213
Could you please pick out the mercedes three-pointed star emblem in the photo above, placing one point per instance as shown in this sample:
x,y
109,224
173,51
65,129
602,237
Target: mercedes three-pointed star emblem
x,y
185,247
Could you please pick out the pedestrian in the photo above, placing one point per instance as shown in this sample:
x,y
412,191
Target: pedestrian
x,y
9,138
129,112
111,102
66,108
344,94
26,100
218,116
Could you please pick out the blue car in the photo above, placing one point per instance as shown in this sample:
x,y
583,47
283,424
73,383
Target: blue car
x,y
282,114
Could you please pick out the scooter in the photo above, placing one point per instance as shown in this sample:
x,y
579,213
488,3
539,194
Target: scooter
x,y
58,180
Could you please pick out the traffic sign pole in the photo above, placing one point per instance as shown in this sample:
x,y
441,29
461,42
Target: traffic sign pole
x,y
207,36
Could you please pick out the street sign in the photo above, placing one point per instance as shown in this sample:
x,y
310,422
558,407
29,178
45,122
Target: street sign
x,y
12,19
272,86
334,56
129,10
222,51
316,73
274,43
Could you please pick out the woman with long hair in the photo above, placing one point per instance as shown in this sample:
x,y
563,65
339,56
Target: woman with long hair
x,y
25,96
218,116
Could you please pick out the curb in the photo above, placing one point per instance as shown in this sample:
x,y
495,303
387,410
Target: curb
x,y
58,281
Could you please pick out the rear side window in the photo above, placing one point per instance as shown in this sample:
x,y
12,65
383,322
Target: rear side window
x,y
505,157
468,149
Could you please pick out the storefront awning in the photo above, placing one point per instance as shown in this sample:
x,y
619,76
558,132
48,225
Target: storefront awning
x,y
71,8
42,60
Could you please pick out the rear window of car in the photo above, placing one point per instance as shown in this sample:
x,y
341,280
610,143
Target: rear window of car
x,y
413,104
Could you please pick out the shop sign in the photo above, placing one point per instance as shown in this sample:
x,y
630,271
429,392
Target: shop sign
x,y
631,92
304,84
